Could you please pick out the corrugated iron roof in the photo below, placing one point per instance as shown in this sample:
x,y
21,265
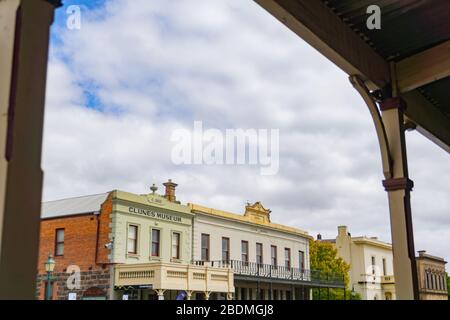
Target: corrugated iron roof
x,y
407,26
437,93
73,206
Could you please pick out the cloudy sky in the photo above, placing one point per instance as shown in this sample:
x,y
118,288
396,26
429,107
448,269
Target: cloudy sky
x,y
138,70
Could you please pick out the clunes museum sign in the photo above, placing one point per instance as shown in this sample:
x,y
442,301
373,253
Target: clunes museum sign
x,y
154,214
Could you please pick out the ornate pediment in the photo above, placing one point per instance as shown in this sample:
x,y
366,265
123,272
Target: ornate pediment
x,y
257,212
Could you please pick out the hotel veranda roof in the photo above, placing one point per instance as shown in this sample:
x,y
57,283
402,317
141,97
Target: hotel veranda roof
x,y
73,206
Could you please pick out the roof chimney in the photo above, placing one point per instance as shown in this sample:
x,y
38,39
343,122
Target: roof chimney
x,y
343,231
170,190
319,236
422,253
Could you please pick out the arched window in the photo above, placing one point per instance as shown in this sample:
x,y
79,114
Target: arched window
x,y
444,280
438,282
428,280
434,281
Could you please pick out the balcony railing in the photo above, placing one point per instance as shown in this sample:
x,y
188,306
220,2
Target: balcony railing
x,y
253,269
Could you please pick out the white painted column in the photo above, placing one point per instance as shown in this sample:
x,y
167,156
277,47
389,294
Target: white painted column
x,y
399,188
160,293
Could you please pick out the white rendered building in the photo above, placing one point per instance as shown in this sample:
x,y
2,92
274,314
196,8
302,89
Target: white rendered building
x,y
371,264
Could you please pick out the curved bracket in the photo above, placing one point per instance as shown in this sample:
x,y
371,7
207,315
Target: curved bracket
x,y
359,85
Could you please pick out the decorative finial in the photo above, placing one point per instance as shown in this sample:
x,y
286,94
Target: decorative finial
x,y
153,188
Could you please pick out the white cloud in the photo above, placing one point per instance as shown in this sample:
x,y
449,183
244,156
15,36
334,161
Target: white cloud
x,y
159,65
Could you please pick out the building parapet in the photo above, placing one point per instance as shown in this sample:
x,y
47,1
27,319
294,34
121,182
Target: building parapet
x,y
250,217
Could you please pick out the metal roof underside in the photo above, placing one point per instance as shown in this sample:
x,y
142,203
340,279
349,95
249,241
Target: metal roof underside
x,y
73,206
438,93
407,28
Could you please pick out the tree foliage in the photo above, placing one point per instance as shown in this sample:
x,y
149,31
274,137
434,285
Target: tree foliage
x,y
324,258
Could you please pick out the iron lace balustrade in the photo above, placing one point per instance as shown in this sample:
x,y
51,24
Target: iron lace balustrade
x,y
254,269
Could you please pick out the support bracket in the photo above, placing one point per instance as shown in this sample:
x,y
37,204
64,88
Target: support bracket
x,y
386,159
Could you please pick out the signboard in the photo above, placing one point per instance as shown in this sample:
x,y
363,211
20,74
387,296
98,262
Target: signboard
x,y
154,214
145,286
125,297
93,298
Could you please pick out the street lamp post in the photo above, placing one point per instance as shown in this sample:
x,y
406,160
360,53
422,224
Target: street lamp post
x,y
49,267
353,293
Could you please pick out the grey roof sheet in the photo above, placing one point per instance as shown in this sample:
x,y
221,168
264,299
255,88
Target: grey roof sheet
x,y
73,206
407,26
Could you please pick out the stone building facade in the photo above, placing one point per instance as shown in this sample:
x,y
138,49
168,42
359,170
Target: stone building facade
x,y
270,261
94,285
371,264
432,277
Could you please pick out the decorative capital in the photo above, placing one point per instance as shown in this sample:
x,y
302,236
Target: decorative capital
x,y
394,184
392,103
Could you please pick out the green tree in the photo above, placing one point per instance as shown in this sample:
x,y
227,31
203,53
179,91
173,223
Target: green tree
x,y
324,258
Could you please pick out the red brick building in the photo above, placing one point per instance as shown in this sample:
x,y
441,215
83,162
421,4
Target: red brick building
x,y
76,232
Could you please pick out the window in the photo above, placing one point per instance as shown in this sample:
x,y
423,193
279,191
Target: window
x,y
205,247
175,245
373,265
273,255
243,294
287,257
439,282
59,242
384,266
301,260
428,280
288,295
259,253
244,250
132,239
156,235
225,249
444,283
434,281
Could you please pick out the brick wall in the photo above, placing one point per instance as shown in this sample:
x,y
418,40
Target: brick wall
x,y
85,237
91,283
104,230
